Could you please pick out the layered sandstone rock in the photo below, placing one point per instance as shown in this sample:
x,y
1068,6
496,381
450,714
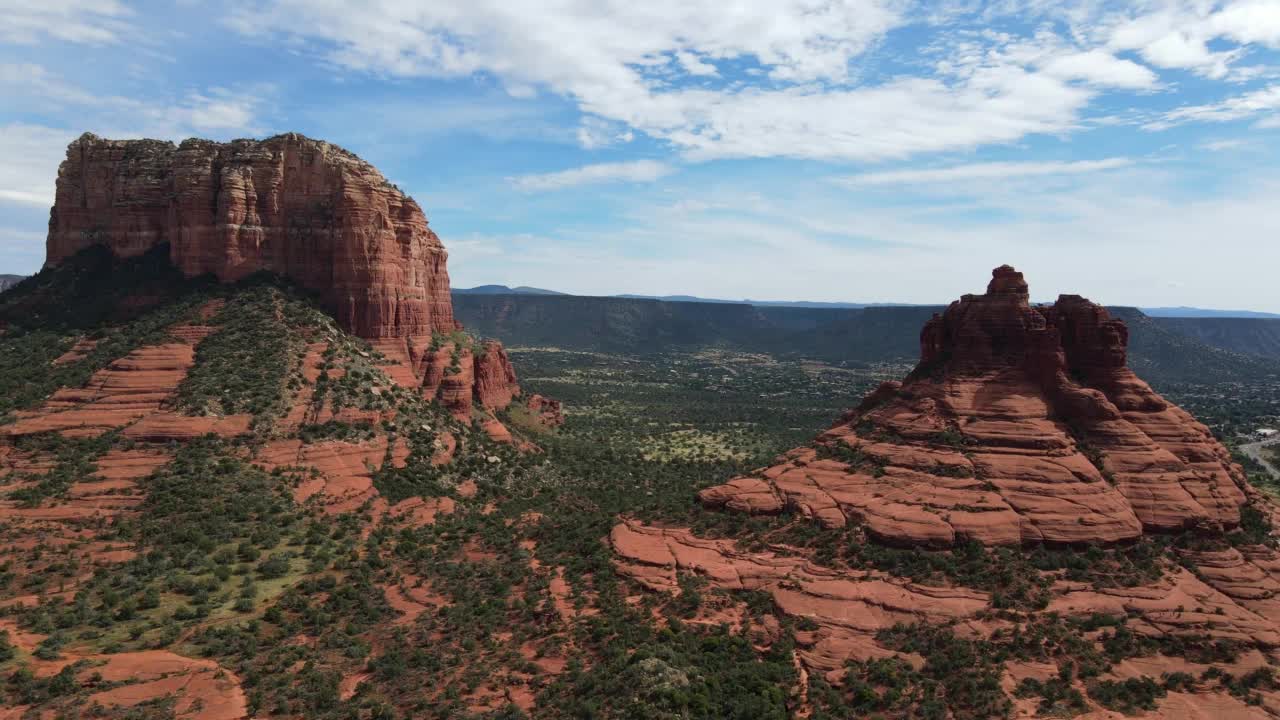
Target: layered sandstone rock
x,y
296,207
547,410
460,377
847,607
1021,423
290,205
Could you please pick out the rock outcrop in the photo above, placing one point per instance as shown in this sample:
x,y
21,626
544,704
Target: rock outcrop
x,y
1021,423
550,412
291,205
296,207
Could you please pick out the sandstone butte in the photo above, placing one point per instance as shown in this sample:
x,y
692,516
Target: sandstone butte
x,y
1020,423
297,207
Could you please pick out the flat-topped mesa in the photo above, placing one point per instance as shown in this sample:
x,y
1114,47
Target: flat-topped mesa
x,y
1021,423
298,207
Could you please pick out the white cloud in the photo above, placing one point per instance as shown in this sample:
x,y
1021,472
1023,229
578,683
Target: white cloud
x,y
216,111
30,153
578,47
797,86
894,120
649,66
29,158
1250,21
984,171
594,133
1226,145
1179,34
1100,67
823,243
213,111
637,171
695,65
95,22
1266,100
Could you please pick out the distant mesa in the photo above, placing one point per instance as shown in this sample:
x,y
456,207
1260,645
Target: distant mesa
x,y
1020,423
504,290
1195,312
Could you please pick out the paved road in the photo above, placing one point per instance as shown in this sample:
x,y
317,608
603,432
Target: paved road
x,y
1254,450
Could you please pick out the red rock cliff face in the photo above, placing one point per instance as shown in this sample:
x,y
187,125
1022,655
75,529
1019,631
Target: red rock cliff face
x,y
291,205
298,207
1019,424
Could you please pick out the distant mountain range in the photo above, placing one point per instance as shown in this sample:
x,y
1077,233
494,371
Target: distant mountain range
x,y
765,303
8,281
1162,312
504,290
1192,312
1168,349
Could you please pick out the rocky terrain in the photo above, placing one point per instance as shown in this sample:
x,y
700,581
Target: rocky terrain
x,y
293,207
1021,426
163,346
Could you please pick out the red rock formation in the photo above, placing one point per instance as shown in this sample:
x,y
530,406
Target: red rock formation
x,y
848,607
549,411
495,379
1020,423
460,377
298,207
342,480
291,205
130,388
131,393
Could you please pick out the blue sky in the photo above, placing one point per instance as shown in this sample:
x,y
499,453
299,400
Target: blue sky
x,y
855,150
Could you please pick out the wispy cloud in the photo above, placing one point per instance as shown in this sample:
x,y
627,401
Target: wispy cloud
x,y
211,111
31,152
1258,102
93,22
31,155
637,171
983,171
1226,144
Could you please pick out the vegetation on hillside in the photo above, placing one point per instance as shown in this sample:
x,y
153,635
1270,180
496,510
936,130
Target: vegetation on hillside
x,y
509,606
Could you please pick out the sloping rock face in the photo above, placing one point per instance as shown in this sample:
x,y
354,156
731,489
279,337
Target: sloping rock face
x,y
1021,423
291,205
